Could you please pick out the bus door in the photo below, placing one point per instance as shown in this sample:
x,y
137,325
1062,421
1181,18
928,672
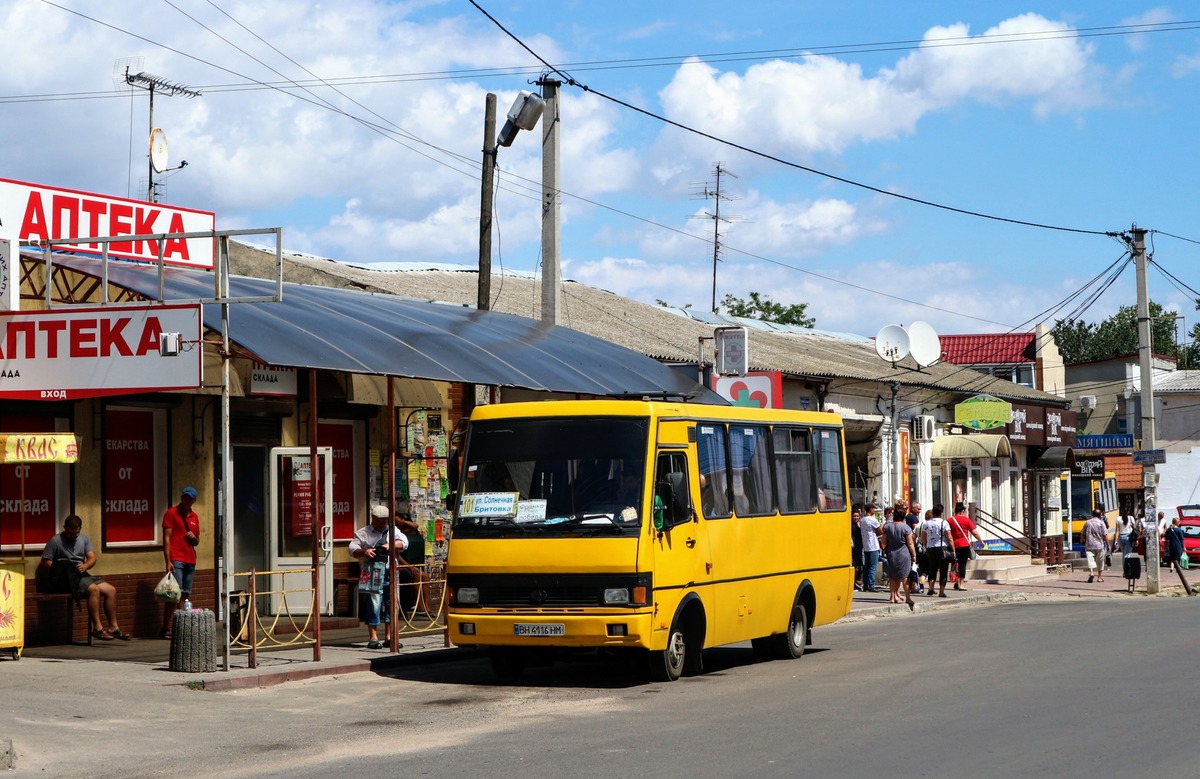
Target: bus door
x,y
682,562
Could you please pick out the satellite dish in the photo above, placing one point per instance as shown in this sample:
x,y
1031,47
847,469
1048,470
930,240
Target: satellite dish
x,y
925,344
158,150
892,343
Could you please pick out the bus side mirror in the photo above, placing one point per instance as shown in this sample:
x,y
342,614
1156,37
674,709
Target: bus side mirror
x,y
451,501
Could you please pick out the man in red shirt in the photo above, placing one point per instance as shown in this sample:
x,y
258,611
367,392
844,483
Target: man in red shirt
x,y
181,535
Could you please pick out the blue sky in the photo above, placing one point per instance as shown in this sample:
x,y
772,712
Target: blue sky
x,y
1080,116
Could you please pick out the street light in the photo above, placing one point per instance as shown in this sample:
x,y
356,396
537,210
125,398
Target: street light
x,y
524,115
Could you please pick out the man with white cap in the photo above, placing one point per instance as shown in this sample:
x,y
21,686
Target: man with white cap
x,y
369,547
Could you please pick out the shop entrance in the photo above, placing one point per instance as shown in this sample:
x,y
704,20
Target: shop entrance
x,y
249,515
291,525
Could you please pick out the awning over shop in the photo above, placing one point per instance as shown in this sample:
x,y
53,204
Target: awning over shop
x,y
965,447
388,335
1053,458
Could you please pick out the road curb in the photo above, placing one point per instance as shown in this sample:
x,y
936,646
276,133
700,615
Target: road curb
x,y
271,677
923,604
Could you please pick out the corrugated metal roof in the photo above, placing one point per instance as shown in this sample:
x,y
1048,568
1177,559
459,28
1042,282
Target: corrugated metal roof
x,y
651,330
388,335
988,348
1177,381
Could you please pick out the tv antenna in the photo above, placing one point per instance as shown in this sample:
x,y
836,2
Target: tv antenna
x,y
158,139
717,195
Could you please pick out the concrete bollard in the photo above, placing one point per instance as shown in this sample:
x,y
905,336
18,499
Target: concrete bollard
x,y
193,635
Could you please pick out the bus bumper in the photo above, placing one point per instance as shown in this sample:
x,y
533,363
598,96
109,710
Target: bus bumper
x,y
618,629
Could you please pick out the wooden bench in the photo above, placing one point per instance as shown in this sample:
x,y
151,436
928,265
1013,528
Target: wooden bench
x,y
36,597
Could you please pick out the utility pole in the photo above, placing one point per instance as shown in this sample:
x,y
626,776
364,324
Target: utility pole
x,y
484,301
551,272
717,196
1137,247
150,83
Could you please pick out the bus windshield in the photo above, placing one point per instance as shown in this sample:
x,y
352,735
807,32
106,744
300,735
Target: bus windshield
x,y
570,476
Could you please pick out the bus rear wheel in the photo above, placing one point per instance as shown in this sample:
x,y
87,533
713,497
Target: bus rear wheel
x,y
790,644
667,665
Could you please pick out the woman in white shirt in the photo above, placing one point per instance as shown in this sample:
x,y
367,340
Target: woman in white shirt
x,y
939,550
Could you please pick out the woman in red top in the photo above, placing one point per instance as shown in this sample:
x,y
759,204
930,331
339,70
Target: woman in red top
x,y
181,535
960,526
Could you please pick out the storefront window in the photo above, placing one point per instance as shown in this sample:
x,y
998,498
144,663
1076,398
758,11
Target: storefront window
x,y
997,507
34,496
134,475
938,496
958,484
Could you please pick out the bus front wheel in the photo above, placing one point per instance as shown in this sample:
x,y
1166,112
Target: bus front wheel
x,y
666,665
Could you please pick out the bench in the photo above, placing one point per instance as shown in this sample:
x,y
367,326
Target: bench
x,y
36,597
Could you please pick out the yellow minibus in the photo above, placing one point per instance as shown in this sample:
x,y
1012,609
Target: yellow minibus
x,y
659,528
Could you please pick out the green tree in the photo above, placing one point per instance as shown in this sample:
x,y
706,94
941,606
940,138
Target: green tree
x,y
760,307
1116,336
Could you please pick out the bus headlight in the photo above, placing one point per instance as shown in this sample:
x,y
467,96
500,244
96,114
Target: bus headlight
x,y
616,596
467,596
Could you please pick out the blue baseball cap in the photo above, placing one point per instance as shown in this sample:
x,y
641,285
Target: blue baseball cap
x,y
190,492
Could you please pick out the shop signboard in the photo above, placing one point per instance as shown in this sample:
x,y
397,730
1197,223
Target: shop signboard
x,y
71,353
1088,467
36,212
1150,457
1061,427
760,389
1028,426
983,412
1110,441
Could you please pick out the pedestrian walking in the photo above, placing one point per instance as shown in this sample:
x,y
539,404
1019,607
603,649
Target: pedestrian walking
x,y
1095,545
961,528
869,530
901,553
939,550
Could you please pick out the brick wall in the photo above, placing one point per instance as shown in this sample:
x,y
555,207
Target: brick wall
x,y
139,613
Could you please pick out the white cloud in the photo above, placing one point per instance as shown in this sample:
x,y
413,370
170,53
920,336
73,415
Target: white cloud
x,y
1155,16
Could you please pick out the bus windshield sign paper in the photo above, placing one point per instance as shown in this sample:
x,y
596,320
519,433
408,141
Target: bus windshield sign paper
x,y
64,354
489,504
35,212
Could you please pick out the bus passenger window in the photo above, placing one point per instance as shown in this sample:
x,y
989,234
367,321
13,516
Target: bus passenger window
x,y
750,456
793,471
714,472
830,483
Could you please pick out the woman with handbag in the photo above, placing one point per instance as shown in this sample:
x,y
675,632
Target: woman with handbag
x,y
939,550
960,526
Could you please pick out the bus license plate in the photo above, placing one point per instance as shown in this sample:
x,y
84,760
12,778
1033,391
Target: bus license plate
x,y
523,629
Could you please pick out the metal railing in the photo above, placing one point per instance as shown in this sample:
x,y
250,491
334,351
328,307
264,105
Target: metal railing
x,y
249,629
1016,538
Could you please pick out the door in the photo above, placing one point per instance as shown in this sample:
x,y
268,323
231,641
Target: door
x,y
681,549
250,530
292,525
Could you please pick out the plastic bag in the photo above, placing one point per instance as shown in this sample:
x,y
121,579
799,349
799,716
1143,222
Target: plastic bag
x,y
167,589
1183,561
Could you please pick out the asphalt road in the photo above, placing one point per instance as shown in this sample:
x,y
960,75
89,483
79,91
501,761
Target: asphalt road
x,y
1066,687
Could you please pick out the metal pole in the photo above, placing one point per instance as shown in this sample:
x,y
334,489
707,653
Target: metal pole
x,y
393,605
315,481
226,562
149,157
1146,397
485,206
550,203
894,466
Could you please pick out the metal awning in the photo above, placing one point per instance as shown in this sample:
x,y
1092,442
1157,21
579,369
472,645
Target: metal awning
x,y
965,447
387,335
1053,458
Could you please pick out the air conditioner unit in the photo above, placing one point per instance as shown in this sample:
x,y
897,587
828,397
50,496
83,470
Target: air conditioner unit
x,y
923,428
1087,402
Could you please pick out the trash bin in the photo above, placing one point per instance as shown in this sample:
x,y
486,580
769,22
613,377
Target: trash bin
x,y
12,608
193,637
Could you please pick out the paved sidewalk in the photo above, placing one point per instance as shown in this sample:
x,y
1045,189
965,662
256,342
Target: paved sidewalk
x,y
146,661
